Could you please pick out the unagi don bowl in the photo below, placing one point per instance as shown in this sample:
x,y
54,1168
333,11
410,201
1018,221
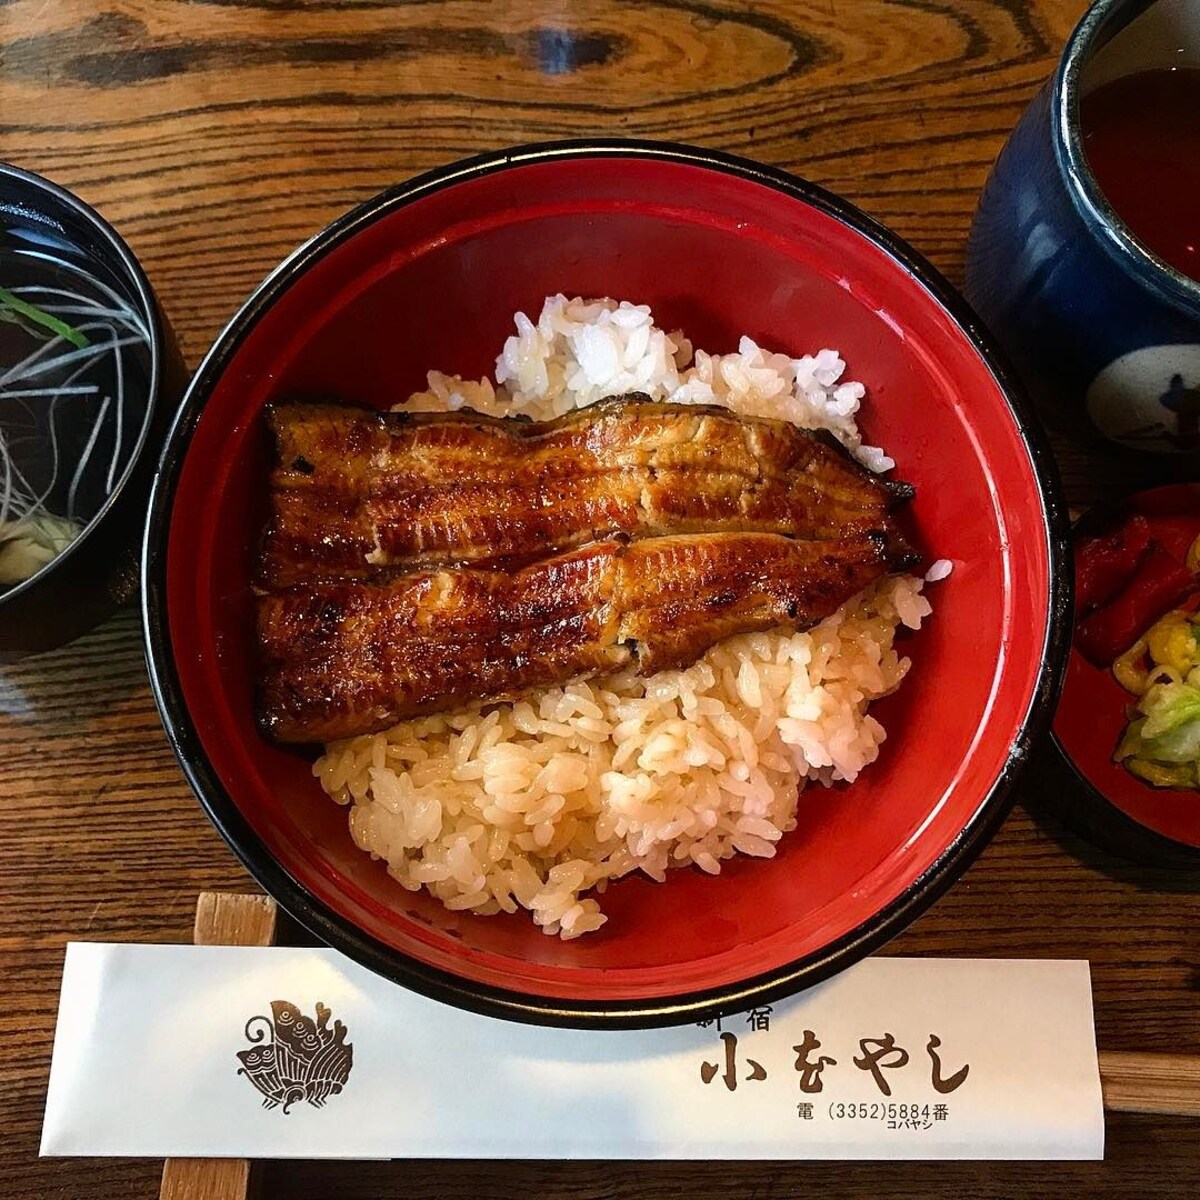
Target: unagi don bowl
x,y
429,275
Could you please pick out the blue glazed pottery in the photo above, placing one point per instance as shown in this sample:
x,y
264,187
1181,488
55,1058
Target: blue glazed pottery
x,y
1105,334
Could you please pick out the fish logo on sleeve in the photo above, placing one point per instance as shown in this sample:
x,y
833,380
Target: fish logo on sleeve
x,y
295,1059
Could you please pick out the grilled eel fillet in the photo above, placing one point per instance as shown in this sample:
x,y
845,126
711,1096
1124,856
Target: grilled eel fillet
x,y
354,490
352,657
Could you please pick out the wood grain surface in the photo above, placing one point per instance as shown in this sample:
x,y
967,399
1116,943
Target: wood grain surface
x,y
217,134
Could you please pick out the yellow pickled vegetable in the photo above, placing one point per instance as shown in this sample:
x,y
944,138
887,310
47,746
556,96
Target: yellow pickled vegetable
x,y
1162,742
1192,561
1163,776
1130,668
1171,642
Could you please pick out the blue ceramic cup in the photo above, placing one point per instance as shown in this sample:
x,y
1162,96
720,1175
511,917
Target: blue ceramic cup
x,y
1105,334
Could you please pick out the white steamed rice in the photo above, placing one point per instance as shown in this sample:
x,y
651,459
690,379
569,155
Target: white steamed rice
x,y
529,805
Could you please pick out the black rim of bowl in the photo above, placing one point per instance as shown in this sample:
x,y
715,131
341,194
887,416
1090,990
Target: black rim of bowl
x,y
1099,819
461,991
145,296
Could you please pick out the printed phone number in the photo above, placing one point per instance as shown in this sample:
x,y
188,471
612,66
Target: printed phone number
x,y
880,1111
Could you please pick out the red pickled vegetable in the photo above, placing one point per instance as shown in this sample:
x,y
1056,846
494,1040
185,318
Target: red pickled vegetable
x,y
1103,565
1160,583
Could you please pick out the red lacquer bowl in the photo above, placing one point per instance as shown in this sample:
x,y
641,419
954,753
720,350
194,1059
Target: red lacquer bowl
x,y
1128,815
429,275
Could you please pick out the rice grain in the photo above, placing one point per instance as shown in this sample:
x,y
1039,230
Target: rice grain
x,y
531,804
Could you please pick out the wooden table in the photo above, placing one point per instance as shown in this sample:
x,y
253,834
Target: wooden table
x,y
216,136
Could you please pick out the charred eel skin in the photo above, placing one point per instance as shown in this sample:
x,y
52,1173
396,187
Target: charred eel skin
x,y
354,490
349,657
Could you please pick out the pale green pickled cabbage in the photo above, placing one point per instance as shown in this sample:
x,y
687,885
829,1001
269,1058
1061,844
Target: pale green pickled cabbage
x,y
1162,743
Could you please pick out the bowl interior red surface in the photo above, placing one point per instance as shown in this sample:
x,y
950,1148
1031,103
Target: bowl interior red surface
x,y
1091,715
434,284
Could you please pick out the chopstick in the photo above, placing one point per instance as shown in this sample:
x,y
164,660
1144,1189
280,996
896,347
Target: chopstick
x,y
1165,1084
221,920
1150,1083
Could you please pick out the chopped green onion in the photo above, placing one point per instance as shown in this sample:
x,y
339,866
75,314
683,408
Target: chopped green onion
x,y
33,313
